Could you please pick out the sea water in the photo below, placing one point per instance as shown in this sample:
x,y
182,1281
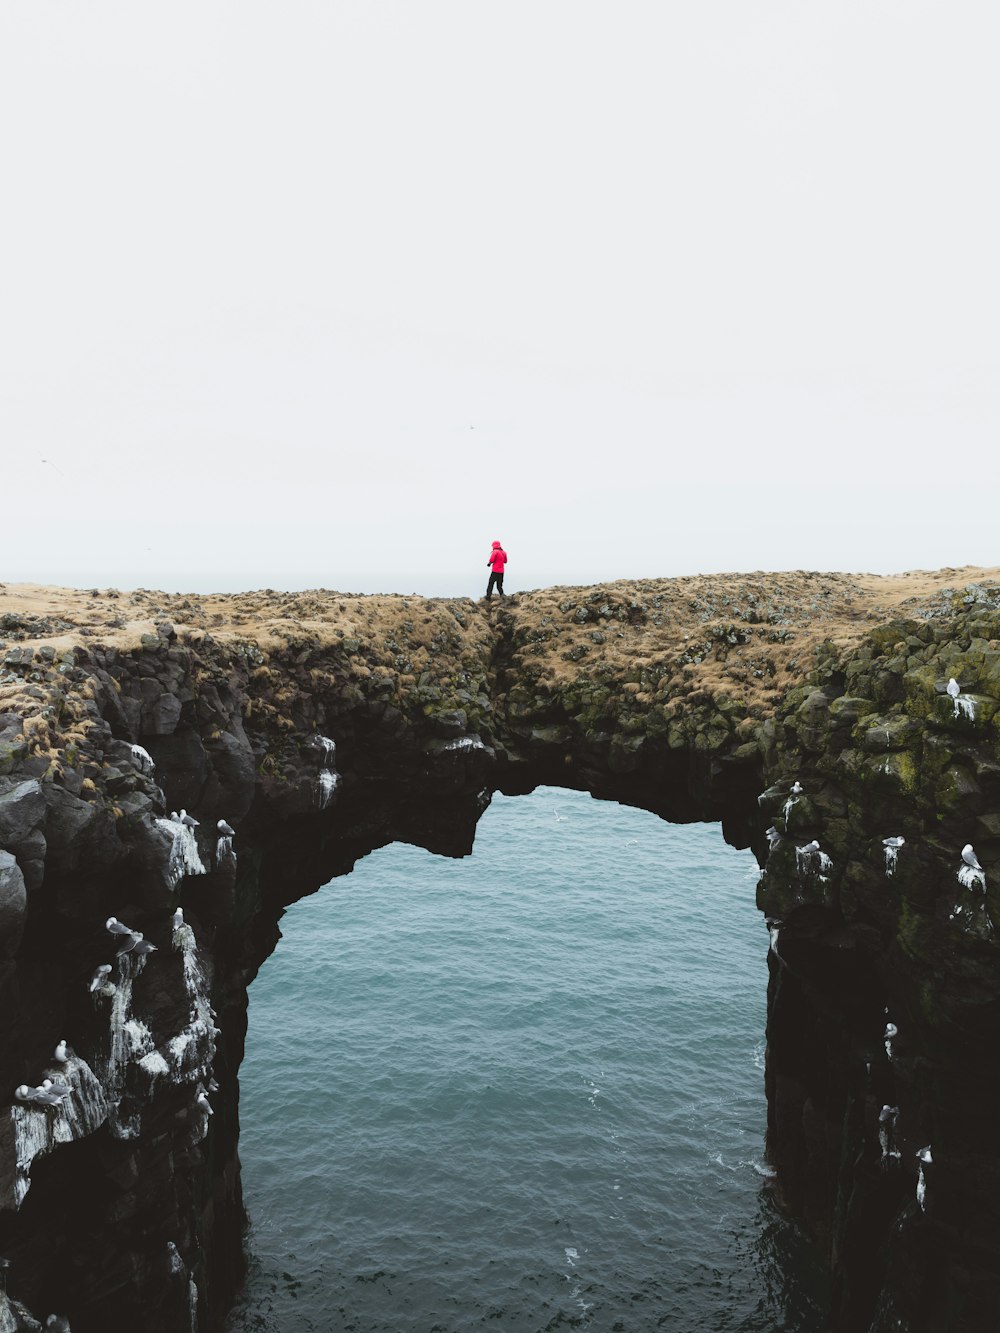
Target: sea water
x,y
520,1091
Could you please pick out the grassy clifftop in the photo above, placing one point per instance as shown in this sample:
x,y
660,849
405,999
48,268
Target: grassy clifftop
x,y
743,639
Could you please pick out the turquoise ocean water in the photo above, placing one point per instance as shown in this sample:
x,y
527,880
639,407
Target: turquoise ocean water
x,y
521,1091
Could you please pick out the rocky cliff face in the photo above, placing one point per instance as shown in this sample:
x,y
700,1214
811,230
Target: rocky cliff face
x,y
855,748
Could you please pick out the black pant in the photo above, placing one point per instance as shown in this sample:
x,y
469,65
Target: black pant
x,y
496,581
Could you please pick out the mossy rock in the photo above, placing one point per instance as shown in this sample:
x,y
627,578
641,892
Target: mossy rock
x,y
787,883
10,753
974,712
845,711
814,708
920,692
887,733
777,888
677,737
892,773
988,827
797,816
836,837
917,933
773,798
794,700
449,722
988,680
863,890
633,724
971,915
957,792
941,750
886,637
714,737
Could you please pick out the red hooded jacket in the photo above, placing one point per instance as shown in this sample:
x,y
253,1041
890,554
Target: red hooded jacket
x,y
498,558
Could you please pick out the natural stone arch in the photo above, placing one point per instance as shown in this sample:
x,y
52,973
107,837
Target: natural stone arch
x,y
235,727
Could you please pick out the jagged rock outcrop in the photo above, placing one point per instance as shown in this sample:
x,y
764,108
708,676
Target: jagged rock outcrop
x,y
855,748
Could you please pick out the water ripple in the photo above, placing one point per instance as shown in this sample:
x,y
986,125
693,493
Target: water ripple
x,y
527,1091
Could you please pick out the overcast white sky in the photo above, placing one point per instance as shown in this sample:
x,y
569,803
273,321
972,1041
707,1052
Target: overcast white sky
x,y
299,294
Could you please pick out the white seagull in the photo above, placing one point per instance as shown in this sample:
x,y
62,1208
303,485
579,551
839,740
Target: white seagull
x,y
969,857
115,927
100,976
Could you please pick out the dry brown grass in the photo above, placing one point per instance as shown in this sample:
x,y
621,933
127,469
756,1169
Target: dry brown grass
x,y
671,636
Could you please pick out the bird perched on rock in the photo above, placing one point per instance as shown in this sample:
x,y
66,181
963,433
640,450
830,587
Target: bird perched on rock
x,y
203,1103
143,758
100,976
61,1054
50,1095
953,688
969,857
174,817
57,1323
796,788
226,830
810,848
925,1160
143,947
177,920
187,820
886,1133
129,941
115,927
893,842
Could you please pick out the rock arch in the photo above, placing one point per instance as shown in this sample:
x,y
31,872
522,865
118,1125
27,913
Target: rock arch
x,y
340,724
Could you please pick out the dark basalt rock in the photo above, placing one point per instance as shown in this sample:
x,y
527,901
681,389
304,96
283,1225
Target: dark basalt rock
x,y
122,1207
13,903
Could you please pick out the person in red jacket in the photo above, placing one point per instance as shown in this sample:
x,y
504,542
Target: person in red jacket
x,y
496,562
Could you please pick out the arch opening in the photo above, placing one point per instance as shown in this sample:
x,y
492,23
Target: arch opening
x,y
525,1086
